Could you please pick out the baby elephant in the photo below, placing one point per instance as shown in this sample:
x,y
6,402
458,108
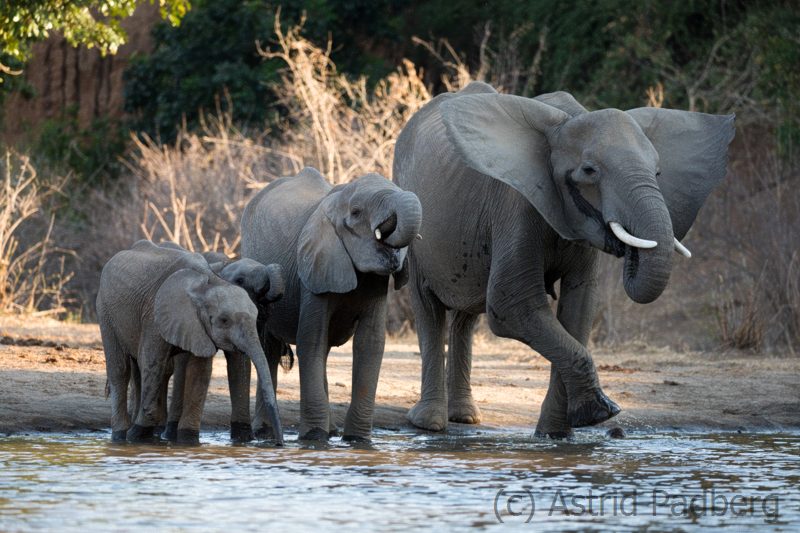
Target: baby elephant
x,y
155,302
264,284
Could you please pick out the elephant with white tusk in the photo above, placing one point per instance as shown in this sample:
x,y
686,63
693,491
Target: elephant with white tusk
x,y
519,193
156,302
338,247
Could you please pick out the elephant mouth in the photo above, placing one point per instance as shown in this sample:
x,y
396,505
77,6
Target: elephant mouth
x,y
611,244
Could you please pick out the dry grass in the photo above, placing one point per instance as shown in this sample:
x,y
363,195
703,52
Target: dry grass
x,y
32,269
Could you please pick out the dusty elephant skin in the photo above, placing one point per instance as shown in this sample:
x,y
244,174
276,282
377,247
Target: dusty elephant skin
x,y
519,193
264,284
155,302
338,247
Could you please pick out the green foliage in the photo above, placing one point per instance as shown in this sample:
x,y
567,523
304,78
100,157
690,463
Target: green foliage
x,y
92,153
92,23
194,66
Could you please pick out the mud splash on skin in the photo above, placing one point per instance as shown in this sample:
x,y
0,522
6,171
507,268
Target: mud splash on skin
x,y
404,480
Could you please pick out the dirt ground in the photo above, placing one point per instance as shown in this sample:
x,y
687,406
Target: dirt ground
x,y
52,378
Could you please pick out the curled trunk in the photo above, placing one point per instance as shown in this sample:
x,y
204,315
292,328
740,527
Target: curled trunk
x,y
646,271
402,224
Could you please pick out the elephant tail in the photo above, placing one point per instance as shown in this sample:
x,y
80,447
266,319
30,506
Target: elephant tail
x,y
107,389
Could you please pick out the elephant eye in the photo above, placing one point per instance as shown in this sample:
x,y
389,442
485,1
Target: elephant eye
x,y
224,321
356,211
658,173
239,281
589,170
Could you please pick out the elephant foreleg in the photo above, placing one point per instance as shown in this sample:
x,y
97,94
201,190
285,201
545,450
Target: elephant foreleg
x,y
527,317
461,407
430,412
152,360
176,400
368,345
577,306
312,350
198,377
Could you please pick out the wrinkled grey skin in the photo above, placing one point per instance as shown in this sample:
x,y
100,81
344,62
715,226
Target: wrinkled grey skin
x,y
264,284
156,302
337,275
517,194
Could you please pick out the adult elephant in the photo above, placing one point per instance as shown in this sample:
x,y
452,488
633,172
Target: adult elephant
x,y
156,302
519,193
337,246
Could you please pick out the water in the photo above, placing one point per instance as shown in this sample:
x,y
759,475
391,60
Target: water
x,y
406,480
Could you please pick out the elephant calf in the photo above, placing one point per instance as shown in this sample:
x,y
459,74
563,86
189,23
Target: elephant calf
x,y
338,246
264,284
155,302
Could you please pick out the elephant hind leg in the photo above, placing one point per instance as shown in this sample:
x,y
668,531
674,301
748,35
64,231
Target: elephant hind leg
x,y
430,412
118,373
461,407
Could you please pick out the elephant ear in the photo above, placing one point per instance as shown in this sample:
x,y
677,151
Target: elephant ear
x,y
564,101
177,306
505,137
693,152
322,260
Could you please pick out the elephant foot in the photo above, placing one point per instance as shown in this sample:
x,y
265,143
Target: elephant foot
x,y
463,411
263,433
139,433
243,432
317,434
356,439
120,435
171,431
554,435
592,411
428,414
188,437
333,431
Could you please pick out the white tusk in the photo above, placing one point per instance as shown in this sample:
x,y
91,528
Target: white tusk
x,y
419,237
378,233
681,249
629,239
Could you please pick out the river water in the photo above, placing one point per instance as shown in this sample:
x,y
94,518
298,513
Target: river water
x,y
488,479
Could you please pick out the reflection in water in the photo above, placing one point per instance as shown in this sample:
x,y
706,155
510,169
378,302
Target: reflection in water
x,y
478,478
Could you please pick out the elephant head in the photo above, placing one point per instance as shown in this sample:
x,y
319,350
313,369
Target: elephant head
x,y
201,313
263,283
363,226
629,183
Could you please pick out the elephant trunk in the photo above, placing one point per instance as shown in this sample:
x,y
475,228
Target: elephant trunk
x,y
274,286
646,271
402,224
252,347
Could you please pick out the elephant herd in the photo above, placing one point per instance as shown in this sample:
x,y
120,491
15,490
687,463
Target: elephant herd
x,y
495,198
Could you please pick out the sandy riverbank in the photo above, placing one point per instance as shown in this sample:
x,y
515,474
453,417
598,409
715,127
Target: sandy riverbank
x,y
52,376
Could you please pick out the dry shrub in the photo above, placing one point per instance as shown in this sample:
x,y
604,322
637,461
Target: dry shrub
x,y
754,231
32,269
334,123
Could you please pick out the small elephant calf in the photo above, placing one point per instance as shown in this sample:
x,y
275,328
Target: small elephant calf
x,y
155,302
265,285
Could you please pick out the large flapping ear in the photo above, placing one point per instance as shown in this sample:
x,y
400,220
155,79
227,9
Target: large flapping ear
x,y
178,304
564,101
693,152
322,260
505,137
